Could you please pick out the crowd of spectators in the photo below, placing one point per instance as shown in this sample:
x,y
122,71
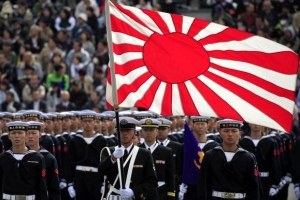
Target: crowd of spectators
x,y
277,20
54,54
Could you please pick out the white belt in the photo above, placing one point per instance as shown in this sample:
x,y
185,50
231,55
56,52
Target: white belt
x,y
264,174
161,183
228,195
117,197
18,197
86,168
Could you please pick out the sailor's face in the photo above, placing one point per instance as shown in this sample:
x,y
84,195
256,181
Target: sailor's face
x,y
163,132
230,136
150,134
87,124
126,136
199,128
33,137
17,137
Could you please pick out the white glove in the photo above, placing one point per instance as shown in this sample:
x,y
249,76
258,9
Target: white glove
x,y
126,193
183,188
62,185
11,108
102,189
180,195
119,152
297,191
71,191
281,184
288,178
273,191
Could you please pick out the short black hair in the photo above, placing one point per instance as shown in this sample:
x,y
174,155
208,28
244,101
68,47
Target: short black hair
x,y
82,72
99,70
58,67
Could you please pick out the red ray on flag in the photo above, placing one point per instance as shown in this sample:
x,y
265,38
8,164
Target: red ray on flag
x,y
177,65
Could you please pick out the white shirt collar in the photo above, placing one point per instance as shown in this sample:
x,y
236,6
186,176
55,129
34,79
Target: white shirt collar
x,y
151,147
129,148
164,142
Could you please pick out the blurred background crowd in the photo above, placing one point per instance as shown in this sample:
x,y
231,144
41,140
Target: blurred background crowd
x,y
54,55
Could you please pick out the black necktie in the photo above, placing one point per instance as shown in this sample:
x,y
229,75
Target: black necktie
x,y
149,149
162,143
125,155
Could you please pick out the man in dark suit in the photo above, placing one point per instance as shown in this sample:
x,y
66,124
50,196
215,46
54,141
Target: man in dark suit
x,y
65,105
36,103
10,105
177,148
34,43
163,160
139,165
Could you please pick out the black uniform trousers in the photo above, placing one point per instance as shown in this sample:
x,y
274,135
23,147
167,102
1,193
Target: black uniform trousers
x,y
87,186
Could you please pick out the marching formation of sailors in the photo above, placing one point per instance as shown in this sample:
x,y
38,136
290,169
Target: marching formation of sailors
x,y
75,155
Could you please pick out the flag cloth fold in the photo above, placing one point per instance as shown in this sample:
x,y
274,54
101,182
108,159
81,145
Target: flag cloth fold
x,y
192,159
178,65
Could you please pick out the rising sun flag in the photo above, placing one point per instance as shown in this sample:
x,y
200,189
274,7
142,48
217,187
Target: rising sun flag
x,y
177,65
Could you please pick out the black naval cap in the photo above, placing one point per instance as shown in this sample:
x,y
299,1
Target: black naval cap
x,y
17,125
32,125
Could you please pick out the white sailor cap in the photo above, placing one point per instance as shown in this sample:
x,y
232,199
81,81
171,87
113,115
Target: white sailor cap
x,y
142,115
17,125
200,119
31,113
87,114
43,117
164,122
76,113
17,116
100,117
66,115
7,115
32,125
110,114
229,123
126,113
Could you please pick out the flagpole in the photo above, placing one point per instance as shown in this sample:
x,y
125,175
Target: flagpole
x,y
113,85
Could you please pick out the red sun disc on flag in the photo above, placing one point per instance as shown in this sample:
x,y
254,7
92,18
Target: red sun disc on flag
x,y
177,47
